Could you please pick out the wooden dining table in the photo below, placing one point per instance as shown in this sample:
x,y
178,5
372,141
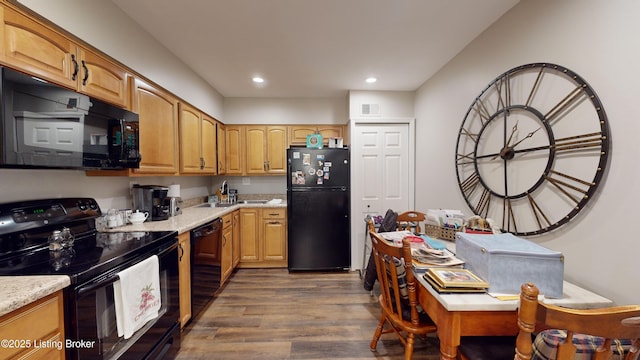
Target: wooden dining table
x,y
480,314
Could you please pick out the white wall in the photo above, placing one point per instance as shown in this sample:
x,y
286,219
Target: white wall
x,y
103,25
597,40
285,111
391,104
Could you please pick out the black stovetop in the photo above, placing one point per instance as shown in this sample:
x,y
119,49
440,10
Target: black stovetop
x,y
24,249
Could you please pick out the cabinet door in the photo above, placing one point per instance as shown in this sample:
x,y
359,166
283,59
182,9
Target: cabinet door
x,y
249,239
221,148
103,79
298,134
158,111
256,146
184,242
276,155
190,160
227,253
208,139
37,49
234,150
274,234
236,238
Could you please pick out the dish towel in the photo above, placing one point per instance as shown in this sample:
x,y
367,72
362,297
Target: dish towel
x,y
137,296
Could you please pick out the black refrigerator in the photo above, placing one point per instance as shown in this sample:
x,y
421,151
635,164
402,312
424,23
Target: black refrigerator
x,y
318,206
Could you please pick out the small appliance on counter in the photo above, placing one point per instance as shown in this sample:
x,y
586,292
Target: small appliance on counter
x,y
175,201
152,199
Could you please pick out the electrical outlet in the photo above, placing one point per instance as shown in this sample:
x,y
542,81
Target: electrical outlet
x,y
246,181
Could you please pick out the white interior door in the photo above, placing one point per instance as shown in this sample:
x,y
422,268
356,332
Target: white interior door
x,y
382,175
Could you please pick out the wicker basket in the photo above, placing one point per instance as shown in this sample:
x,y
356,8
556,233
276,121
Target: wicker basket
x,y
441,232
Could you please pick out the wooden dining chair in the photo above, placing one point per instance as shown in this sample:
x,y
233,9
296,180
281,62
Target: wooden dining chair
x,y
410,220
398,296
590,332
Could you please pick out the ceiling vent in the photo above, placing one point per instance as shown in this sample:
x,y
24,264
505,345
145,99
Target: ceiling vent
x,y
370,110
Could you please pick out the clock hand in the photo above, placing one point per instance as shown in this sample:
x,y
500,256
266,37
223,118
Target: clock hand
x,y
526,137
506,145
515,127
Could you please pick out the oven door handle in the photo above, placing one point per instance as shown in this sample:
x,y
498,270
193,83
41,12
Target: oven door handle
x,y
113,278
99,284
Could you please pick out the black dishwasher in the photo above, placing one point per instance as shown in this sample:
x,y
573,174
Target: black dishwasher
x,y
206,254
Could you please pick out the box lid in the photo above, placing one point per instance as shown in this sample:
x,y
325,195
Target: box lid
x,y
508,244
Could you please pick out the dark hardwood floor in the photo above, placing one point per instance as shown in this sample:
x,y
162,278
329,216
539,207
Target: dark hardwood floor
x,y
273,314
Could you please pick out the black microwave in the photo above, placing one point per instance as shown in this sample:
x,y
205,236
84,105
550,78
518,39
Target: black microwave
x,y
47,126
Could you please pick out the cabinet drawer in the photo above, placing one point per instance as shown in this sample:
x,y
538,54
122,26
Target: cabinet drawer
x,y
275,213
19,325
227,220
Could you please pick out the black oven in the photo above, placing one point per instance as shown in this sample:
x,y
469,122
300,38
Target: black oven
x,y
93,264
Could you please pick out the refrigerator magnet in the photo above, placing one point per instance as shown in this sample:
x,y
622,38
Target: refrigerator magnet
x,y
319,172
327,163
314,141
319,182
306,159
312,171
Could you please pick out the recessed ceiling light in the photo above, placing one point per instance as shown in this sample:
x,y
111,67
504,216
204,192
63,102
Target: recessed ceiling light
x,y
371,80
258,80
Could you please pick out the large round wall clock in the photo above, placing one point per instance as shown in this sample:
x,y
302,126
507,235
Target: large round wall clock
x,y
532,149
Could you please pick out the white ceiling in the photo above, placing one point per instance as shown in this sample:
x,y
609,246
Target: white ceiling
x,y
314,48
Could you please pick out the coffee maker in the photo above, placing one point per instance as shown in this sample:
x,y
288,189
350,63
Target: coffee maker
x,y
152,199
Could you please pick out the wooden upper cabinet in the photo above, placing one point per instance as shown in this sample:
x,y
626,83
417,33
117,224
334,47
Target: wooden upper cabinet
x,y
266,149
103,79
277,149
190,140
234,150
158,112
221,153
298,133
209,148
198,142
39,50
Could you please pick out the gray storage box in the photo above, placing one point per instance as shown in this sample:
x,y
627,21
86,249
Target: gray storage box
x,y
507,261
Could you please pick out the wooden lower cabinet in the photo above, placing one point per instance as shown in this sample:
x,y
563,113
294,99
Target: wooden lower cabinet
x,y
184,267
226,261
263,237
236,238
37,323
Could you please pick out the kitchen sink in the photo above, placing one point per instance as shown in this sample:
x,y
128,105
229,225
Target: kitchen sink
x,y
257,202
253,201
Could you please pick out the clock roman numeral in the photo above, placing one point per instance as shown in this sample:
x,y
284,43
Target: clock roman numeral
x,y
472,136
482,207
575,94
534,88
468,186
508,218
538,213
464,159
503,87
482,111
579,142
574,185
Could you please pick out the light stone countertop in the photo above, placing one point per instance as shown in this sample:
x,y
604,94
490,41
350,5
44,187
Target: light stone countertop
x,y
18,291
191,217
